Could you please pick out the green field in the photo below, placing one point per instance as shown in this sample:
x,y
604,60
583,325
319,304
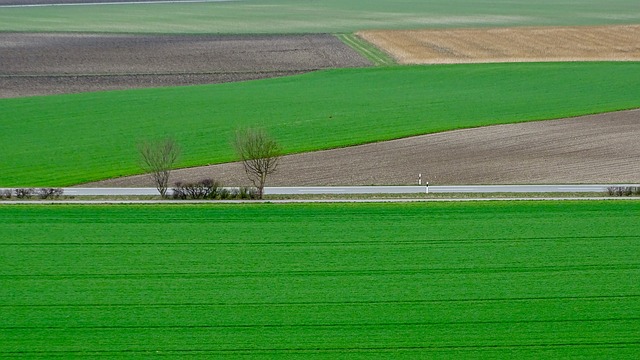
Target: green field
x,y
69,139
309,16
322,281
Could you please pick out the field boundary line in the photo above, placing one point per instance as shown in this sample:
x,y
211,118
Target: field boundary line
x,y
295,71
366,49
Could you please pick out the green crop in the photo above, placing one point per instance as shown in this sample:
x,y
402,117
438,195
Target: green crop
x,y
308,16
69,139
322,281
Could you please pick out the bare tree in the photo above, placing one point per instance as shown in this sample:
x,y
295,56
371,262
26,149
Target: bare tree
x,y
260,155
157,159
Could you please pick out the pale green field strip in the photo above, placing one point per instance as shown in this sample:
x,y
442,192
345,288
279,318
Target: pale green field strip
x,y
322,281
70,139
327,16
367,50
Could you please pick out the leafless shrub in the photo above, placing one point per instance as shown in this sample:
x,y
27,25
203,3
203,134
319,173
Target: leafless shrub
x,y
210,190
623,190
24,193
614,191
177,191
247,193
6,194
49,193
157,159
225,194
203,189
260,155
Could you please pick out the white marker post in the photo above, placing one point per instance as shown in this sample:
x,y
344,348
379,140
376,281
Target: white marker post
x,y
419,179
427,187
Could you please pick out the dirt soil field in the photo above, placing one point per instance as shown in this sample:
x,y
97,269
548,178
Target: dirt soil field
x,y
585,43
589,149
43,64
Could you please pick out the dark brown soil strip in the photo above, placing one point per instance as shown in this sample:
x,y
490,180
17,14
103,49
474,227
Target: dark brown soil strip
x,y
42,64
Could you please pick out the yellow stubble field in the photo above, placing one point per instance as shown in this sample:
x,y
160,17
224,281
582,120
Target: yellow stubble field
x,y
522,44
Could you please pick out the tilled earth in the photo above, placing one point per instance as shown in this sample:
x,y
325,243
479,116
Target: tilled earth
x,y
42,64
589,149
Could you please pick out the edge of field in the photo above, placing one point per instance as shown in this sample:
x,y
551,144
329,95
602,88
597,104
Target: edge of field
x,y
367,49
507,44
332,198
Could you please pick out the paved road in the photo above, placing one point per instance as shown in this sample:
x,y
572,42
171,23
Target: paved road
x,y
346,190
438,189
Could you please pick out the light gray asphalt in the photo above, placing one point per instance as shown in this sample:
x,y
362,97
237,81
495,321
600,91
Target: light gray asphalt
x,y
350,190
343,190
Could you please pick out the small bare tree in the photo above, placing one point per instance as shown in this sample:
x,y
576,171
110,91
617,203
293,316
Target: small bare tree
x,y
157,159
260,155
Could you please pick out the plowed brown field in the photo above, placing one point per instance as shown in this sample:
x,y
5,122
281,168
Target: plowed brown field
x,y
589,149
611,43
42,64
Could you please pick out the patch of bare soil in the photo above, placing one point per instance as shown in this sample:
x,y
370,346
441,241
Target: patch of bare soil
x,y
42,64
589,149
579,43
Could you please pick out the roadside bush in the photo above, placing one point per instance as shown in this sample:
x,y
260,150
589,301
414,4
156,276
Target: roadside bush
x,y
50,193
225,194
24,193
203,189
614,191
623,190
247,193
209,189
6,194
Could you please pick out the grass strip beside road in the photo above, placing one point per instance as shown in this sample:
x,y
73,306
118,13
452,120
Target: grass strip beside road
x,y
321,281
341,197
70,139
